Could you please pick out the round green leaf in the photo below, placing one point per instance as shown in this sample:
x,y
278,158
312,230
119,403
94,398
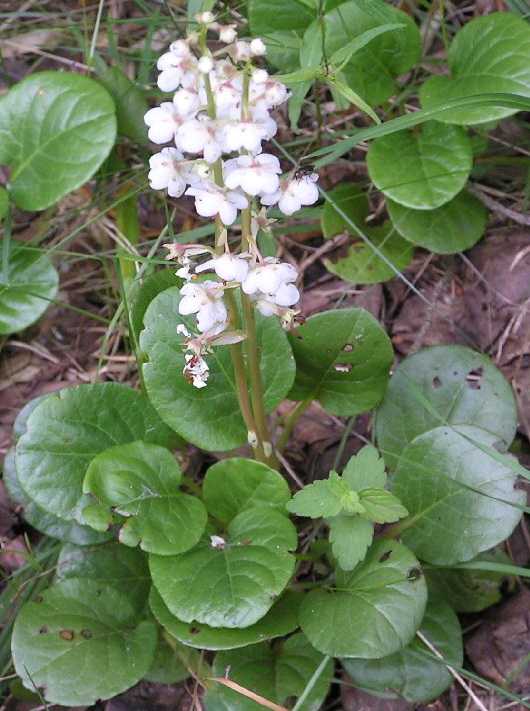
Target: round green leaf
x,y
210,417
372,70
409,674
234,583
68,130
166,667
373,611
140,481
421,169
277,674
144,291
491,53
81,642
27,288
280,620
68,429
362,265
41,520
235,485
125,569
452,228
343,360
444,385
455,493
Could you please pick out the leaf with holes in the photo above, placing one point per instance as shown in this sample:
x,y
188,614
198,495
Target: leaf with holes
x,y
410,674
343,359
28,284
490,53
280,620
277,674
80,642
237,484
386,591
210,417
124,569
141,481
461,500
450,385
68,130
236,577
452,228
68,429
423,169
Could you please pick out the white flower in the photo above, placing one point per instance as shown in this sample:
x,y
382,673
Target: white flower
x,y
163,122
228,267
205,18
247,135
259,76
241,51
257,47
200,135
293,194
266,95
166,172
227,33
211,200
269,277
205,65
183,331
178,67
204,299
186,102
255,175
196,370
217,542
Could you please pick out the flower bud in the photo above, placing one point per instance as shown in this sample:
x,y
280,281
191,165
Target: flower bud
x,y
205,65
257,47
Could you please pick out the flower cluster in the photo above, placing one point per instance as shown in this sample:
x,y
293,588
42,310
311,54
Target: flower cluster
x,y
217,121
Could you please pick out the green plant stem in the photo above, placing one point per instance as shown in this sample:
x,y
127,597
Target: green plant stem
x,y
6,244
291,421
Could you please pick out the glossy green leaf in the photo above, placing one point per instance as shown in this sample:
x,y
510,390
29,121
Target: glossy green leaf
x,y
350,536
408,674
68,429
310,57
124,569
344,54
81,642
343,358
41,520
278,674
283,49
324,497
68,130
365,470
166,667
371,612
452,228
381,506
280,620
141,482
491,51
237,484
209,417
236,579
131,104
422,170
26,288
266,16
372,70
362,264
444,385
461,501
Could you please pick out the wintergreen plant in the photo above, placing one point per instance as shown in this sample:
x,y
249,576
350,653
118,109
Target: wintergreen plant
x,y
229,576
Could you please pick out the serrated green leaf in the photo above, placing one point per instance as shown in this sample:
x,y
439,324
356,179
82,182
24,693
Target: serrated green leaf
x,y
124,569
235,580
324,497
490,51
68,429
237,484
141,482
365,470
82,642
350,537
68,130
444,385
381,506
421,170
213,419
386,591
459,498
452,228
32,282
408,674
343,359
280,620
277,674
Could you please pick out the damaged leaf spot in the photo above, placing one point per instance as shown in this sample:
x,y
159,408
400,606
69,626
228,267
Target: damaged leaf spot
x,y
436,382
343,367
67,635
474,377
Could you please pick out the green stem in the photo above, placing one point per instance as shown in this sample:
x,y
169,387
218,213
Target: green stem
x,y
6,244
291,421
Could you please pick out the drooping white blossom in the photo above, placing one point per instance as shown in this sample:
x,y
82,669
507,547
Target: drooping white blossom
x,y
293,194
200,135
178,67
210,200
255,175
271,284
257,47
166,173
248,135
205,300
196,370
227,33
228,267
